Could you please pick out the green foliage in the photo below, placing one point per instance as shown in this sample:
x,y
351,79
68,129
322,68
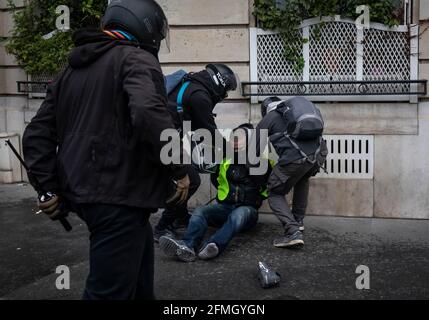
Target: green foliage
x,y
287,15
40,56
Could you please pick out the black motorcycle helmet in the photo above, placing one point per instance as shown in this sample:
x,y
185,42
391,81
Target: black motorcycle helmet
x,y
144,19
265,106
224,79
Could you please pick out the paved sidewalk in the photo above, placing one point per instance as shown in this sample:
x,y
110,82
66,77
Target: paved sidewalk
x,y
396,251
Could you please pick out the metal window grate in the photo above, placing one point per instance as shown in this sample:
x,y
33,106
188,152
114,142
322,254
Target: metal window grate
x,y
350,157
333,57
270,50
37,84
386,57
338,52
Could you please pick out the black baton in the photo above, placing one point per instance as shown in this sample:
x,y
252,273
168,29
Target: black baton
x,y
43,195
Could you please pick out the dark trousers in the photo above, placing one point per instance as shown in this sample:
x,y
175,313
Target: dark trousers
x,y
121,252
280,183
173,212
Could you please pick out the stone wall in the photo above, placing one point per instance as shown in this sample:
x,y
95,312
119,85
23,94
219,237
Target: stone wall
x,y
399,188
204,31
11,104
401,185
201,33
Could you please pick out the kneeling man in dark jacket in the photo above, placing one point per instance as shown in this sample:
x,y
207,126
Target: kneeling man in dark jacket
x,y
239,196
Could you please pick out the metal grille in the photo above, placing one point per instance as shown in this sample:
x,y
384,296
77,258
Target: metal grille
x,y
350,157
33,87
272,65
338,52
37,84
332,56
386,57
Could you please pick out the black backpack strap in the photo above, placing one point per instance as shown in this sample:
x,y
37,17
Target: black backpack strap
x,y
316,156
304,155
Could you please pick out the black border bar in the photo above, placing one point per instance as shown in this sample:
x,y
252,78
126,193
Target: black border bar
x,y
301,87
23,86
363,87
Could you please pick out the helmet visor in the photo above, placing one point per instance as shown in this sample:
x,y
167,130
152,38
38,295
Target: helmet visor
x,y
273,106
235,86
165,43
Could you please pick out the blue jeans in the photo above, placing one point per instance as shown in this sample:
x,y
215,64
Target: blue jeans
x,y
230,219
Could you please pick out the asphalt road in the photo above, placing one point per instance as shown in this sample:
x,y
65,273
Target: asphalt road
x,y
395,251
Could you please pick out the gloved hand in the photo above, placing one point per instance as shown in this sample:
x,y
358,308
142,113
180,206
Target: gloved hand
x,y
50,205
182,190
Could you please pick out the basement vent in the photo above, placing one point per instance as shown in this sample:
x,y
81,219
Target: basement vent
x,y
350,157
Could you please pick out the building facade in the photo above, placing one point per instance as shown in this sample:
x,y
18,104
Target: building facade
x,y
390,133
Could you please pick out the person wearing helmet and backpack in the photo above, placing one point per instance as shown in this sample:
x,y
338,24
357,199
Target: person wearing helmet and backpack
x,y
192,97
95,143
295,129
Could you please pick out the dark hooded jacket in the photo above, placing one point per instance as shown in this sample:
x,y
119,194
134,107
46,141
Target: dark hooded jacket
x,y
199,100
96,137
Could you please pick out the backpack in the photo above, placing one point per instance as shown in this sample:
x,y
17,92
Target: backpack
x,y
304,122
171,83
173,80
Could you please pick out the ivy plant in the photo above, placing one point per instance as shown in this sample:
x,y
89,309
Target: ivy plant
x,y
46,56
285,16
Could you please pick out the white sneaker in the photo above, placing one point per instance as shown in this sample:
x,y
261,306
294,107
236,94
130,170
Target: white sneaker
x,y
210,251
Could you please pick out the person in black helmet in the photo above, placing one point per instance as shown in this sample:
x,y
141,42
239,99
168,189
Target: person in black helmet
x,y
300,158
205,89
95,144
